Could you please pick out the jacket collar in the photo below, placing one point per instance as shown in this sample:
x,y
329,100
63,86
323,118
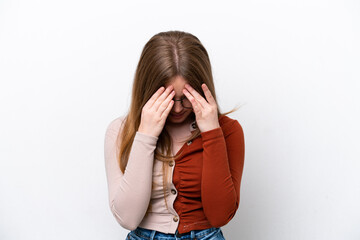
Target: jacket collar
x,y
193,126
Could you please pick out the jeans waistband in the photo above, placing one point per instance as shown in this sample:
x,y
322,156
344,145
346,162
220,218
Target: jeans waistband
x,y
151,234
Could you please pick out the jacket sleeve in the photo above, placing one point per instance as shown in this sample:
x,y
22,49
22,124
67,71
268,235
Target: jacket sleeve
x,y
129,193
223,162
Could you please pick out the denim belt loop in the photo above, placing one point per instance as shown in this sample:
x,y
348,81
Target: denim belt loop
x,y
152,234
192,234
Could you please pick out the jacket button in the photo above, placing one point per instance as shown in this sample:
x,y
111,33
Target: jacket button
x,y
189,142
175,219
173,191
171,164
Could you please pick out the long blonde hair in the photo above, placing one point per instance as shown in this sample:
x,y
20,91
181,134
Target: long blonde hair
x,y
165,56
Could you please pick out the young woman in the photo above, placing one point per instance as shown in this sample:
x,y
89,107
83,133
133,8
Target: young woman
x,y
174,162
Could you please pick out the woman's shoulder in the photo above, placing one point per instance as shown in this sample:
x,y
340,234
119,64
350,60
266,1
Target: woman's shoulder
x,y
229,124
115,124
226,120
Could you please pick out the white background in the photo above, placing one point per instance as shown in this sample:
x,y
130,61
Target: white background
x,y
66,70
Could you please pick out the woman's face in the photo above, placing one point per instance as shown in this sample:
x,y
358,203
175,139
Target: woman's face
x,y
179,84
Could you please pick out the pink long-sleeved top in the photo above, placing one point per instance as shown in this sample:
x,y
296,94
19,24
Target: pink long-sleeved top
x,y
204,190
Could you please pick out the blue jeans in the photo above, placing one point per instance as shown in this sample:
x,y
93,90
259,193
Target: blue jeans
x,y
147,234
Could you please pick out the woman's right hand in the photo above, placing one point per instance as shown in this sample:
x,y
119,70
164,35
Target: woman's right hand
x,y
156,110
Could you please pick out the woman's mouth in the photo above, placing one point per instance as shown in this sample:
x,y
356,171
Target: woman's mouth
x,y
177,115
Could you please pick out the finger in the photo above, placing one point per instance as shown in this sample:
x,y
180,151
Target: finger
x,y
167,110
196,106
208,94
197,96
162,97
165,103
153,98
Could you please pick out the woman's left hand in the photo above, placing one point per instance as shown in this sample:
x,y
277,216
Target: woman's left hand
x,y
205,110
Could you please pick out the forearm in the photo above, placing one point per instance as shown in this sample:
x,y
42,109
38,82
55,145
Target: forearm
x,y
130,193
219,198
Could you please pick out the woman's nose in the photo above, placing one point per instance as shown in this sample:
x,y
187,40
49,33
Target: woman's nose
x,y
177,106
